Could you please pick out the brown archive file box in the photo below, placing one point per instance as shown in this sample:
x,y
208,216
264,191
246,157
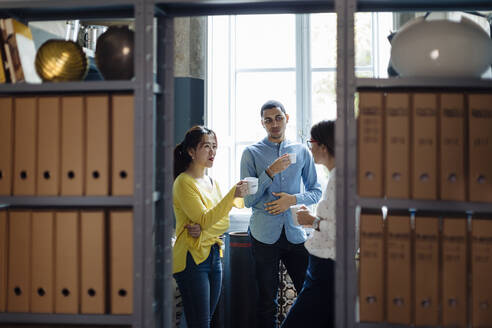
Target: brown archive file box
x,y
424,146
370,144
25,146
42,268
426,253
122,150
121,261
6,145
399,268
452,146
3,260
371,269
480,147
48,161
66,262
481,269
397,145
93,270
454,273
97,145
19,270
72,145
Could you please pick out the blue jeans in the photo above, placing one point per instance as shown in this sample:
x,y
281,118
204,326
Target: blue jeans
x,y
200,288
267,257
315,305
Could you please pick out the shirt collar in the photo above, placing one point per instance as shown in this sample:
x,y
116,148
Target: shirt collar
x,y
274,144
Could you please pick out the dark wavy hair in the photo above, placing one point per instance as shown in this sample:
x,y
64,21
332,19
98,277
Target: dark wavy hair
x,y
324,134
193,137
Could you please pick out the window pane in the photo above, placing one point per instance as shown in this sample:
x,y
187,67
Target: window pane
x,y
252,91
265,41
324,104
363,39
323,40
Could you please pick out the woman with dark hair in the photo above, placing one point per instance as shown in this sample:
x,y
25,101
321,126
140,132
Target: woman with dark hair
x,y
202,215
314,306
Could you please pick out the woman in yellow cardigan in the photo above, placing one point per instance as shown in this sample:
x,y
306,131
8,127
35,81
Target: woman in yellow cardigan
x,y
202,215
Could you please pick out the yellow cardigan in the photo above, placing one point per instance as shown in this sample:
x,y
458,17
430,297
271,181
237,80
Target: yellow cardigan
x,y
193,204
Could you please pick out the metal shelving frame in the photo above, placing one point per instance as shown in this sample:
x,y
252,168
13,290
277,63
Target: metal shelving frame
x,y
347,85
145,197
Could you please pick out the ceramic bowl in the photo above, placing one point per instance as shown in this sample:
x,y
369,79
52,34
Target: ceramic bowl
x,y
441,48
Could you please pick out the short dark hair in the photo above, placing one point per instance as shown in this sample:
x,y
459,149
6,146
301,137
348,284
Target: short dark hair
x,y
324,134
272,104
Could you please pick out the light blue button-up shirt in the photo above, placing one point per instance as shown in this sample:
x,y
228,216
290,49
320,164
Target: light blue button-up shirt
x,y
264,226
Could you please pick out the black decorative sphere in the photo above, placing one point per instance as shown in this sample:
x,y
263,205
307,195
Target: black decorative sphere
x,y
114,53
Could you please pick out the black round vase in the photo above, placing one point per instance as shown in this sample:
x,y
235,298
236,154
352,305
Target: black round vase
x,y
114,53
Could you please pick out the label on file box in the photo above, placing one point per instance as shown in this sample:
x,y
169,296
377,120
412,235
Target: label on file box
x,y
452,147
72,145
19,271
122,148
121,261
25,146
6,145
93,262
42,268
454,273
397,145
424,146
48,167
426,252
370,144
399,268
371,269
3,260
67,262
480,147
97,145
481,270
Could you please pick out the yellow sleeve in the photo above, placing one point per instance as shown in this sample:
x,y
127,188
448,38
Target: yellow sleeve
x,y
192,205
216,230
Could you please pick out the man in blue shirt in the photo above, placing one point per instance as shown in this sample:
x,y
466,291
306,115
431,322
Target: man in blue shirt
x,y
273,234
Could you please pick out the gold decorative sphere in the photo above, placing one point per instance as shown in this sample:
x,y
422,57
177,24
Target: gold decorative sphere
x,y
60,60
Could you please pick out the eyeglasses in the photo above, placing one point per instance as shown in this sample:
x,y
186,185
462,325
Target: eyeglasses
x,y
310,143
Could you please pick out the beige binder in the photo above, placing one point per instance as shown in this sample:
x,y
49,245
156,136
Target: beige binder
x,y
25,146
399,270
6,145
42,268
481,270
93,269
3,260
397,145
426,252
452,147
480,147
48,161
72,146
370,144
122,150
454,273
371,269
121,262
424,146
67,262
97,143
19,289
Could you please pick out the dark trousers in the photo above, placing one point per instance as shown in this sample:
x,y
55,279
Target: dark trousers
x,y
199,286
267,257
315,305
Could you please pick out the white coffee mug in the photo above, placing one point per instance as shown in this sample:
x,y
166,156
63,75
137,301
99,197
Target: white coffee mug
x,y
293,210
252,185
292,158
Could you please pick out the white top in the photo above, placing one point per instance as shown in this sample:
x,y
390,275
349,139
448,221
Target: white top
x,y
322,243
